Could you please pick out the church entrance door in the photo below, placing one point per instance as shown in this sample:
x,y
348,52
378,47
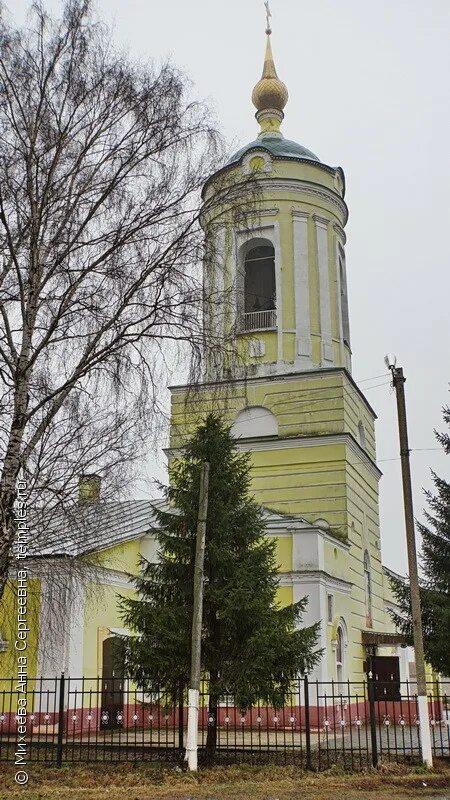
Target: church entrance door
x,y
386,677
113,676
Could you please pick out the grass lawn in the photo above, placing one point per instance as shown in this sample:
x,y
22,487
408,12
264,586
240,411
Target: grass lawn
x,y
122,782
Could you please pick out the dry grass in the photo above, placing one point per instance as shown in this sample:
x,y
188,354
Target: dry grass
x,y
121,782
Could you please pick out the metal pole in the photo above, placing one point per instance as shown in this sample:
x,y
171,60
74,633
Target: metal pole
x,y
59,743
181,716
197,619
373,724
307,726
416,612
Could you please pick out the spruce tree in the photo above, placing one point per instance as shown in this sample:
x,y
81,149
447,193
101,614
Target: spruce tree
x,y
251,647
435,583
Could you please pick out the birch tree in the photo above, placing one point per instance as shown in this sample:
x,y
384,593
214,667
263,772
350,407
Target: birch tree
x,y
101,162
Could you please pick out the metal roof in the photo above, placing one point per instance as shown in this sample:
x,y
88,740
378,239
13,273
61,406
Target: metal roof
x,y
277,146
92,527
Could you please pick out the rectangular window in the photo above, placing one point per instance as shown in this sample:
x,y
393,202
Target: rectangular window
x,y
330,607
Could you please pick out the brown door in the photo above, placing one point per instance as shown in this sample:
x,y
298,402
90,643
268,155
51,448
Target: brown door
x,y
112,683
386,676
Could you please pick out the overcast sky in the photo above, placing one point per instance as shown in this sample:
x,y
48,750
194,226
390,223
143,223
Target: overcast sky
x,y
369,91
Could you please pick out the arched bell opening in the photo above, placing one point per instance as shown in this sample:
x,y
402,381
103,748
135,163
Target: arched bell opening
x,y
257,290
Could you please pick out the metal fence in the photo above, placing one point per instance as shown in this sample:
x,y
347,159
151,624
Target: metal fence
x,y
259,320
353,725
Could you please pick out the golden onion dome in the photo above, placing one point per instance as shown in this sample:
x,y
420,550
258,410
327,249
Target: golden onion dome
x,y
269,92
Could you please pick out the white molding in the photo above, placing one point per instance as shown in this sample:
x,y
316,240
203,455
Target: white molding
x,y
340,233
279,290
286,375
256,348
323,221
262,153
268,212
311,528
326,580
324,290
313,441
305,188
75,630
53,621
339,301
301,288
259,445
113,577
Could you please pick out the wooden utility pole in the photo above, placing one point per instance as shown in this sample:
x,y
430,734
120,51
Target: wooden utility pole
x,y
398,380
197,621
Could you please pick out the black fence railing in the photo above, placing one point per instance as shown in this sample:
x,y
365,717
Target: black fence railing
x,y
353,725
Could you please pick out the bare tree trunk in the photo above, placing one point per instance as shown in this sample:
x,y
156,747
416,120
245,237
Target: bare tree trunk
x,y
102,163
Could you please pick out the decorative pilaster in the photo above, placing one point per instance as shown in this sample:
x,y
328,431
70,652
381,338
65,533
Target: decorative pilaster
x,y
301,284
324,290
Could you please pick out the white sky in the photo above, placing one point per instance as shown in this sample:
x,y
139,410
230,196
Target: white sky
x,y
368,85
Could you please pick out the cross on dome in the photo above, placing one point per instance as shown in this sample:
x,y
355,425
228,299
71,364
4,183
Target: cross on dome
x,y
270,95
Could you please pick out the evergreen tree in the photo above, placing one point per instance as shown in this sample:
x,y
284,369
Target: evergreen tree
x,y
251,647
435,585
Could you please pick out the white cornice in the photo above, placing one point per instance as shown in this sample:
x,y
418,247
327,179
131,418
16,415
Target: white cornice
x,y
340,233
326,580
113,577
320,220
316,531
281,376
303,187
346,439
264,212
294,442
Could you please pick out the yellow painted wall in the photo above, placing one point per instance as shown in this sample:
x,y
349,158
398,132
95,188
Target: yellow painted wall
x,y
101,613
123,557
8,627
273,203
284,596
314,479
283,553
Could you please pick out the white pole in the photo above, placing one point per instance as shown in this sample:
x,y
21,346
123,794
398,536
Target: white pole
x,y
197,621
424,730
192,730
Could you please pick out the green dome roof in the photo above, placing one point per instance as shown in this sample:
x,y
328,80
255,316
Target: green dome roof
x,y
277,146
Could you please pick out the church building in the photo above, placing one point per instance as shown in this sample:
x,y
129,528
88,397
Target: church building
x,y
275,278
286,384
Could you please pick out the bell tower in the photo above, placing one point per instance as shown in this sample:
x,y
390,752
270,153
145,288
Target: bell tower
x,y
284,267
277,275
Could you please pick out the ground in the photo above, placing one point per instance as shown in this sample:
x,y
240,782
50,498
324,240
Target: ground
x,y
121,782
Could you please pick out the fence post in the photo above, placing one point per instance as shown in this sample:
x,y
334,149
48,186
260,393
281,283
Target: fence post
x,y
59,744
307,726
373,724
181,716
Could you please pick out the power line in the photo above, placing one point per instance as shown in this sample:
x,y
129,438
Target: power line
x,y
375,377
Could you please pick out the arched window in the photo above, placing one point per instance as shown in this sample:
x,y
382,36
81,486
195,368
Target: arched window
x,y
259,285
344,299
368,588
254,422
259,280
340,655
